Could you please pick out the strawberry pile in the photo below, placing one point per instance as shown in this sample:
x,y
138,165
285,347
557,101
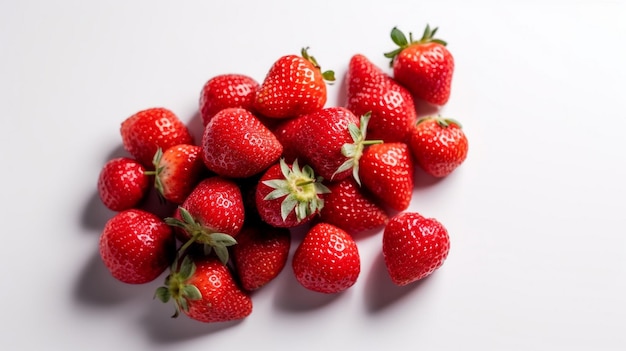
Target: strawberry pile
x,y
272,158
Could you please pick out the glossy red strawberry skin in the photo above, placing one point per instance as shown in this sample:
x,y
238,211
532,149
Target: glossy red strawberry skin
x,y
391,105
236,144
147,130
387,171
327,260
414,247
180,170
287,132
136,246
439,146
226,91
260,254
122,183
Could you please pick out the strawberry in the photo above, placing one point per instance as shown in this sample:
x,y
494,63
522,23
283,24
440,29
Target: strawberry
x,y
439,145
287,134
424,66
287,195
236,144
122,184
327,260
204,289
212,215
136,246
293,86
348,207
147,130
391,105
224,91
260,254
414,247
177,171
387,171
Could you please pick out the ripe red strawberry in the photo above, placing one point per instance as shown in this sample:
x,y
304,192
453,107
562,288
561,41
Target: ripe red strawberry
x,y
147,130
122,183
260,254
236,144
205,290
439,145
387,170
424,66
414,247
327,260
288,195
287,132
391,105
293,86
177,171
211,215
225,91
136,246
348,207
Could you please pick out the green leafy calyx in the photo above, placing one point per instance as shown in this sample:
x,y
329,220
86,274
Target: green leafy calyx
x,y
178,288
329,76
398,37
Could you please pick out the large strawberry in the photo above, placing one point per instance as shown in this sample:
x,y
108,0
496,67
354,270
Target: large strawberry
x,y
177,171
123,183
424,66
136,246
225,91
439,145
293,86
236,144
391,105
288,195
204,289
147,130
327,260
414,247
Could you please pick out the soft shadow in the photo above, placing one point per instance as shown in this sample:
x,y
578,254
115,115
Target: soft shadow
x,y
425,109
292,296
117,152
95,214
422,180
342,89
196,127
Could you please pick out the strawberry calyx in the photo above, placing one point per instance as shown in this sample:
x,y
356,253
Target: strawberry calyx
x,y
158,169
301,189
441,121
354,151
398,37
178,289
328,76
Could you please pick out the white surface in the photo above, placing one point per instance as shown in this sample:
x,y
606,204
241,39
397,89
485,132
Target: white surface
x,y
538,257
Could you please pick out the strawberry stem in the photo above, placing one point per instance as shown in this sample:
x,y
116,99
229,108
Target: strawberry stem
x,y
398,37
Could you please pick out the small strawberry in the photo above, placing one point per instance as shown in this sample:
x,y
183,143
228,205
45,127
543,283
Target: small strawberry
x,y
327,260
287,133
204,289
391,105
424,66
348,207
439,145
136,246
147,130
414,247
236,144
288,195
260,254
177,171
293,86
225,91
122,183
387,170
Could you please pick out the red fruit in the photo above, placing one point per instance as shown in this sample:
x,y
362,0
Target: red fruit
x,y
287,195
348,207
260,254
146,131
136,246
205,290
439,145
122,183
387,170
391,105
327,260
414,247
236,144
287,134
293,86
424,66
177,171
225,91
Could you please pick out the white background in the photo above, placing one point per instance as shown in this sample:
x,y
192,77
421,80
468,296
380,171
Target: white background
x,y
535,215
